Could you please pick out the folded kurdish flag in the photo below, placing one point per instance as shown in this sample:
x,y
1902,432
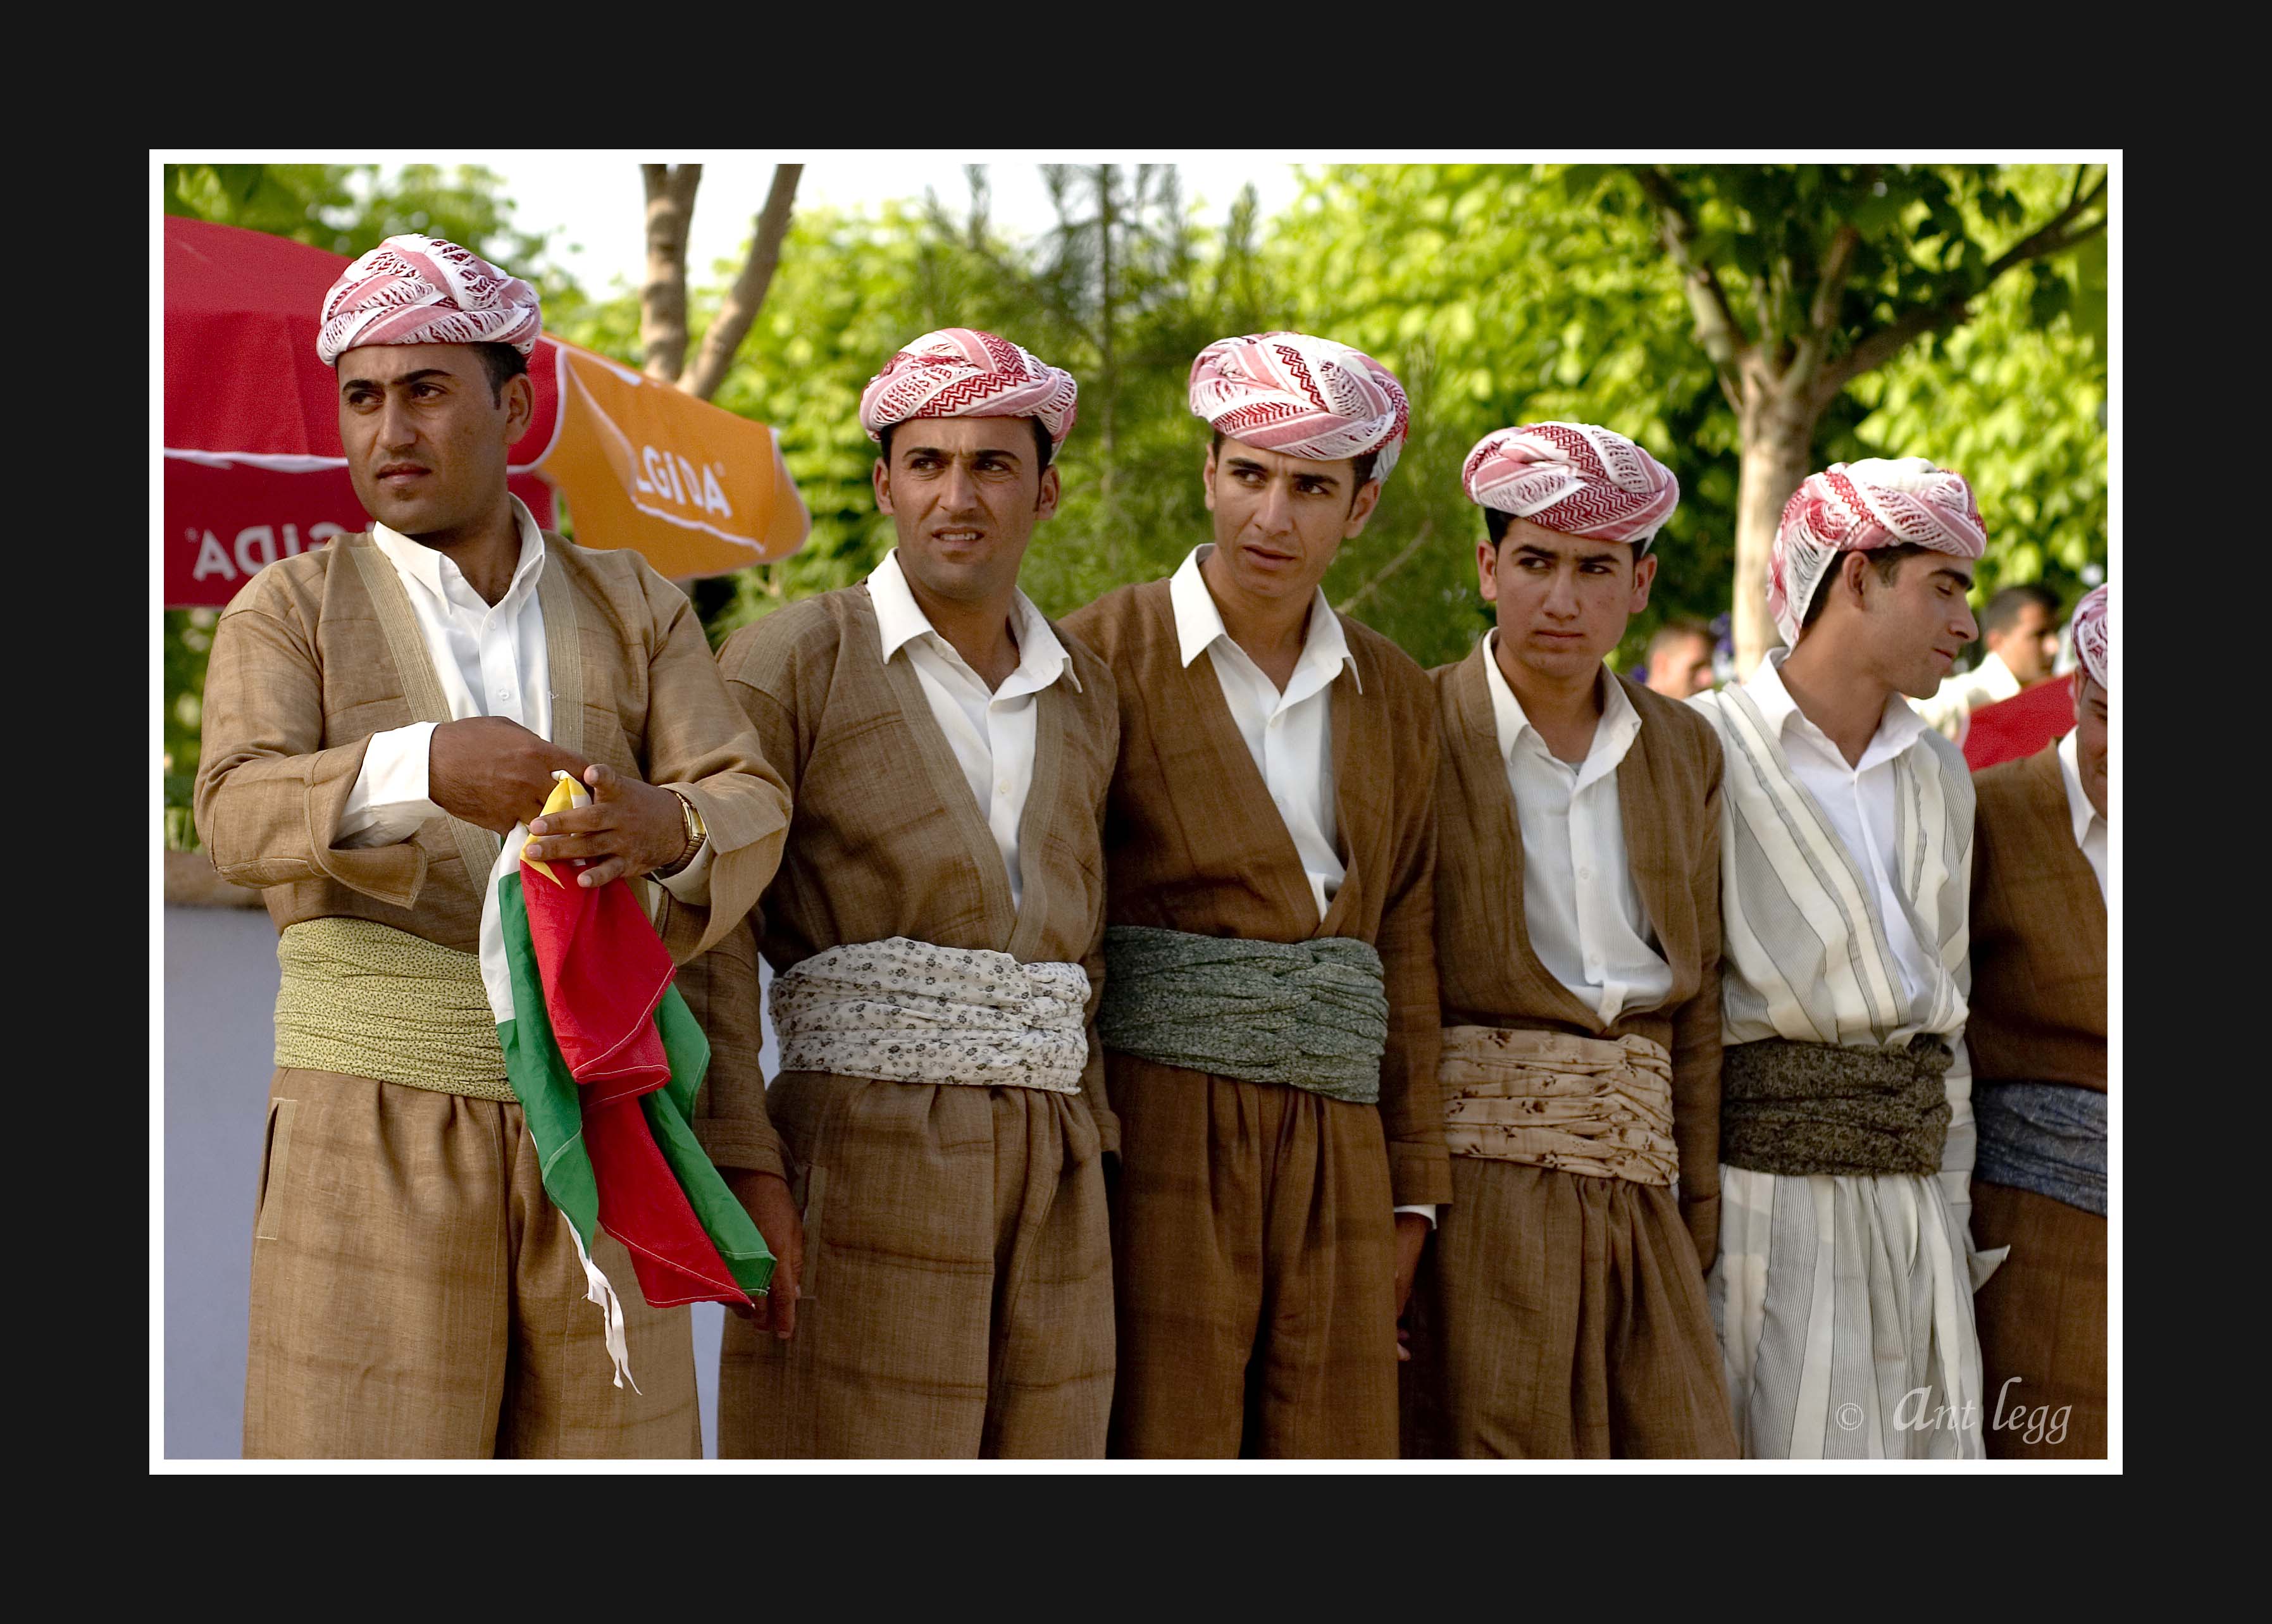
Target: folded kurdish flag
x,y
605,1057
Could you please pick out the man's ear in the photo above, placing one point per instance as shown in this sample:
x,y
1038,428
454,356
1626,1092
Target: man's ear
x,y
880,477
519,407
1853,571
1644,572
1361,507
1045,502
1206,476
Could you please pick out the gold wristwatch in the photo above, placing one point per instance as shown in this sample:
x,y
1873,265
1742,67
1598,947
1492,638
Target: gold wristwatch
x,y
696,833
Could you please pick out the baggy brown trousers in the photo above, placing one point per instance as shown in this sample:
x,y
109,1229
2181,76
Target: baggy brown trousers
x,y
416,1296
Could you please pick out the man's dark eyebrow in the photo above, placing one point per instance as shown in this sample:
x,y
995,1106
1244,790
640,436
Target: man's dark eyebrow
x,y
982,451
1331,482
408,378
1533,550
1237,461
1959,576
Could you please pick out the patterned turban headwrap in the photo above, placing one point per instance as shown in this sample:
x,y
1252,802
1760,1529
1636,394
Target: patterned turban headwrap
x,y
1853,506
962,373
2088,629
415,289
1576,478
1306,397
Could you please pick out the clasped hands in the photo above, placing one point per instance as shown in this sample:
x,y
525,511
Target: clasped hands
x,y
493,772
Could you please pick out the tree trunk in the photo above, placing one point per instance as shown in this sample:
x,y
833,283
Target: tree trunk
x,y
1105,318
723,342
662,301
1778,453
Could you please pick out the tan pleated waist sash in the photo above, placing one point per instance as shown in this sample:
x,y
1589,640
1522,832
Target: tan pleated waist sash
x,y
1589,1105
368,1001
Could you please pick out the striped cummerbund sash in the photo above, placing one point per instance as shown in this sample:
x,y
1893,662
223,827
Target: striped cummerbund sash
x,y
1797,1108
368,1001
2047,1137
905,1011
1309,1014
1597,1106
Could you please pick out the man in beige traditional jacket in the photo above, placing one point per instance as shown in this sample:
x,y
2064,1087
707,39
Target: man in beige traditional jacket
x,y
2037,1033
1270,1010
934,936
376,714
1562,1311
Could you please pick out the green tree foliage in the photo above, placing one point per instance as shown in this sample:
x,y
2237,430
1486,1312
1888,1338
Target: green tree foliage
x,y
1497,293
1804,279
1502,294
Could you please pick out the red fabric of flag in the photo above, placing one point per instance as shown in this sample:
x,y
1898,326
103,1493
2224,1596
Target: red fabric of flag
x,y
2021,725
604,971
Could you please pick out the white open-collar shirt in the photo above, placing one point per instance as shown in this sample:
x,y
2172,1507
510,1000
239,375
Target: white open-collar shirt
x,y
2089,827
1290,734
491,661
991,731
1579,904
1858,800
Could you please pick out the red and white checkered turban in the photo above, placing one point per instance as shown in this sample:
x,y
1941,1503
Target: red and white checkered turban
x,y
415,289
2088,629
1576,478
962,373
1853,506
1303,396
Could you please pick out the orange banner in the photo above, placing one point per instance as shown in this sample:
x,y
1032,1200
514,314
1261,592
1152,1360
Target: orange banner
x,y
644,464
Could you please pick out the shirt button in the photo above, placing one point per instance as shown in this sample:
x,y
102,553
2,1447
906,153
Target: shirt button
x,y
1585,873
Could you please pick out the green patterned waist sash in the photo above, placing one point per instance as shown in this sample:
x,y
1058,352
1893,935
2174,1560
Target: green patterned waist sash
x,y
1310,1014
1798,1108
369,1000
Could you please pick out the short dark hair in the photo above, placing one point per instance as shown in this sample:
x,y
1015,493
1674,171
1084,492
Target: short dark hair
x,y
2003,610
1886,560
1044,448
504,364
1363,462
1495,524
1679,626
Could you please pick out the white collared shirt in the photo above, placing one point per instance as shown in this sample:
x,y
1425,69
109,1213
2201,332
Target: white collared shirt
x,y
1950,709
1579,904
1290,735
2089,827
491,661
991,731
1858,800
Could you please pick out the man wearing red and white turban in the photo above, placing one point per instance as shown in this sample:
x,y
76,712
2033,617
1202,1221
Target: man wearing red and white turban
x,y
1561,1311
2037,1033
414,289
1269,1013
378,712
1846,1127
939,1102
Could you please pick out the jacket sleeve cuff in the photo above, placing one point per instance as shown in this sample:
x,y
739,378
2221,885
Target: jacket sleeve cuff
x,y
1419,1174
732,1143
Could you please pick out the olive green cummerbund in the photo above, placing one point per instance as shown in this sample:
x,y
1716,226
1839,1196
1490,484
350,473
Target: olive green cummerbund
x,y
1310,1014
368,1001
1797,1108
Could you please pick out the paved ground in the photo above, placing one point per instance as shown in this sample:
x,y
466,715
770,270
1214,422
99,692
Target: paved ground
x,y
220,993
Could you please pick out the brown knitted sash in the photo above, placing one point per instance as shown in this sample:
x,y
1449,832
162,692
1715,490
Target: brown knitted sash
x,y
1588,1105
1797,1108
